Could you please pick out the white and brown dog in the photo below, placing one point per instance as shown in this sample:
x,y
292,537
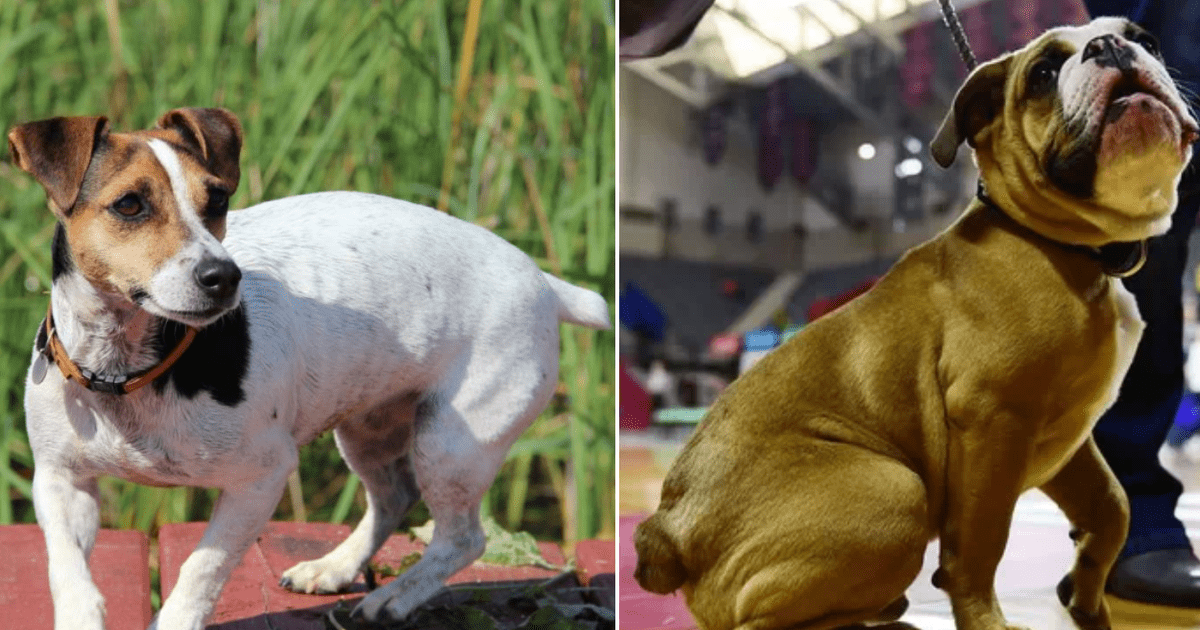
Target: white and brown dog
x,y
973,371
196,347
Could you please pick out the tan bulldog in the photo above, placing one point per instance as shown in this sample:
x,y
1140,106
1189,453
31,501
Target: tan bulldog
x,y
974,370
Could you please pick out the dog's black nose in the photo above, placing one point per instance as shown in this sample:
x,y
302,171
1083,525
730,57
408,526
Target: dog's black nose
x,y
1109,52
218,277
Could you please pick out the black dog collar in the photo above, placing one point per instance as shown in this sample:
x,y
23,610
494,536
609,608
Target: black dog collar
x,y
1119,260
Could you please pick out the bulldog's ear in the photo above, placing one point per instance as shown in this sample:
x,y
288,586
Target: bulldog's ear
x,y
978,102
216,135
57,153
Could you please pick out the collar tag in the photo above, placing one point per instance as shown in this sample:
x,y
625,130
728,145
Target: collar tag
x,y
37,371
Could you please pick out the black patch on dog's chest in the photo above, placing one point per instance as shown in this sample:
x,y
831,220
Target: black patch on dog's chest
x,y
216,362
60,253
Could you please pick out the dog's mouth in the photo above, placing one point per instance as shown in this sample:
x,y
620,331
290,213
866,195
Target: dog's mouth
x,y
1131,100
197,318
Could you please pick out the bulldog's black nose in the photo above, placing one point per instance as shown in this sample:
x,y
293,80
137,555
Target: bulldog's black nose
x,y
218,277
1109,51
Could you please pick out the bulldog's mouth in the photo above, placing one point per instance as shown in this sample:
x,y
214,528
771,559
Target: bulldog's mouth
x,y
1150,109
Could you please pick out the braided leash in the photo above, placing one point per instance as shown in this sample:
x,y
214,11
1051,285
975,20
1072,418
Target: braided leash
x,y
950,17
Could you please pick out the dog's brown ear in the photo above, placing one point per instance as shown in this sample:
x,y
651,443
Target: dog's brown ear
x,y
215,133
57,153
978,102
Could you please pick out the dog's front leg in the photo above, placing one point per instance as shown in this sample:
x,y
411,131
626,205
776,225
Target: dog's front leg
x,y
984,471
68,512
1092,498
239,517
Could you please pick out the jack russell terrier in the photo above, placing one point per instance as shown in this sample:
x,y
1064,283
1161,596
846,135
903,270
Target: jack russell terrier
x,y
195,347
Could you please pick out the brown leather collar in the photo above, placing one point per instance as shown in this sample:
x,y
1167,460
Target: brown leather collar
x,y
1119,260
119,384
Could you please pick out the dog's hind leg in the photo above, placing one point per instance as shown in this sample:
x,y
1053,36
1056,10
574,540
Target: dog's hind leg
x,y
853,543
376,449
453,473
457,450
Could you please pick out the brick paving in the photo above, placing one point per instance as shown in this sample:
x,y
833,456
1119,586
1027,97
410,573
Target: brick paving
x,y
252,599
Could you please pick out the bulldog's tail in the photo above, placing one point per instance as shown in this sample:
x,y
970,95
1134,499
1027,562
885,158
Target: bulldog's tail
x,y
659,567
580,306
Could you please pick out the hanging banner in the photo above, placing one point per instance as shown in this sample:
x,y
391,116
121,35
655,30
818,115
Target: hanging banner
x,y
714,131
916,72
1023,17
805,149
979,31
770,136
1074,13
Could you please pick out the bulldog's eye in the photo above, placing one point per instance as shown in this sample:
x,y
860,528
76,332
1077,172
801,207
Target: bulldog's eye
x,y
129,206
218,203
1148,41
1044,74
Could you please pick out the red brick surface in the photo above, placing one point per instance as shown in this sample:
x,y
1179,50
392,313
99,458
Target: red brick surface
x,y
641,610
253,599
119,566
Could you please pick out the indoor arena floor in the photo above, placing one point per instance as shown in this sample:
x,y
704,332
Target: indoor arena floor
x,y
1039,553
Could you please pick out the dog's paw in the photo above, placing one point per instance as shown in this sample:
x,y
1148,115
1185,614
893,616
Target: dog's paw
x,y
375,610
1086,620
388,605
318,576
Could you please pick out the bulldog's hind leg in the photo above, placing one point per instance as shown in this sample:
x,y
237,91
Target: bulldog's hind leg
x,y
1093,500
860,534
376,448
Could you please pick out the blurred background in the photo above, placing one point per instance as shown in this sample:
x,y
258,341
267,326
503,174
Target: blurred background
x,y
510,125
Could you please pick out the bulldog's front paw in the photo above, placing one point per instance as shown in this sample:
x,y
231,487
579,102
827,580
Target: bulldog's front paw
x,y
1097,619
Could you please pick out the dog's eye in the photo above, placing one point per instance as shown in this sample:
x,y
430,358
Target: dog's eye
x,y
129,206
1044,74
218,203
1147,41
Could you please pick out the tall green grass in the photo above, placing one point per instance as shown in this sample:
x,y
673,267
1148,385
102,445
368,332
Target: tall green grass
x,y
348,95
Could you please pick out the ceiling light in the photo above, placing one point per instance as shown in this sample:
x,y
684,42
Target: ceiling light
x,y
909,168
866,150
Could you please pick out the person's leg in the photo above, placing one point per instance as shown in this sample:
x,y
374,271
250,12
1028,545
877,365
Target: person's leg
x,y
1156,563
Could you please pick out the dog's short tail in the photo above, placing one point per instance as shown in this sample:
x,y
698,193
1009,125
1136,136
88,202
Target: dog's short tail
x,y
659,567
578,305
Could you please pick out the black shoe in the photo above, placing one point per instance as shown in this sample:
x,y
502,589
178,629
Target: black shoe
x,y
1168,577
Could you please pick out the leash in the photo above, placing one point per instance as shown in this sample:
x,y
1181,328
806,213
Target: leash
x,y
1119,260
950,17
50,346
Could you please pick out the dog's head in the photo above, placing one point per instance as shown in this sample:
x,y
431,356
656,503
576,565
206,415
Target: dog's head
x,y
143,212
1081,135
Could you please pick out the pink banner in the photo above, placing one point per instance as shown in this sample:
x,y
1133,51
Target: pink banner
x,y
770,136
916,72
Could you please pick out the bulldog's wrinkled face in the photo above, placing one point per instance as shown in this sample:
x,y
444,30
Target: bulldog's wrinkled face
x,y
1082,134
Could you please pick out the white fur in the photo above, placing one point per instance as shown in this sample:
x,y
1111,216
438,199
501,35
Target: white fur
x,y
429,343
1078,82
1085,89
172,292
